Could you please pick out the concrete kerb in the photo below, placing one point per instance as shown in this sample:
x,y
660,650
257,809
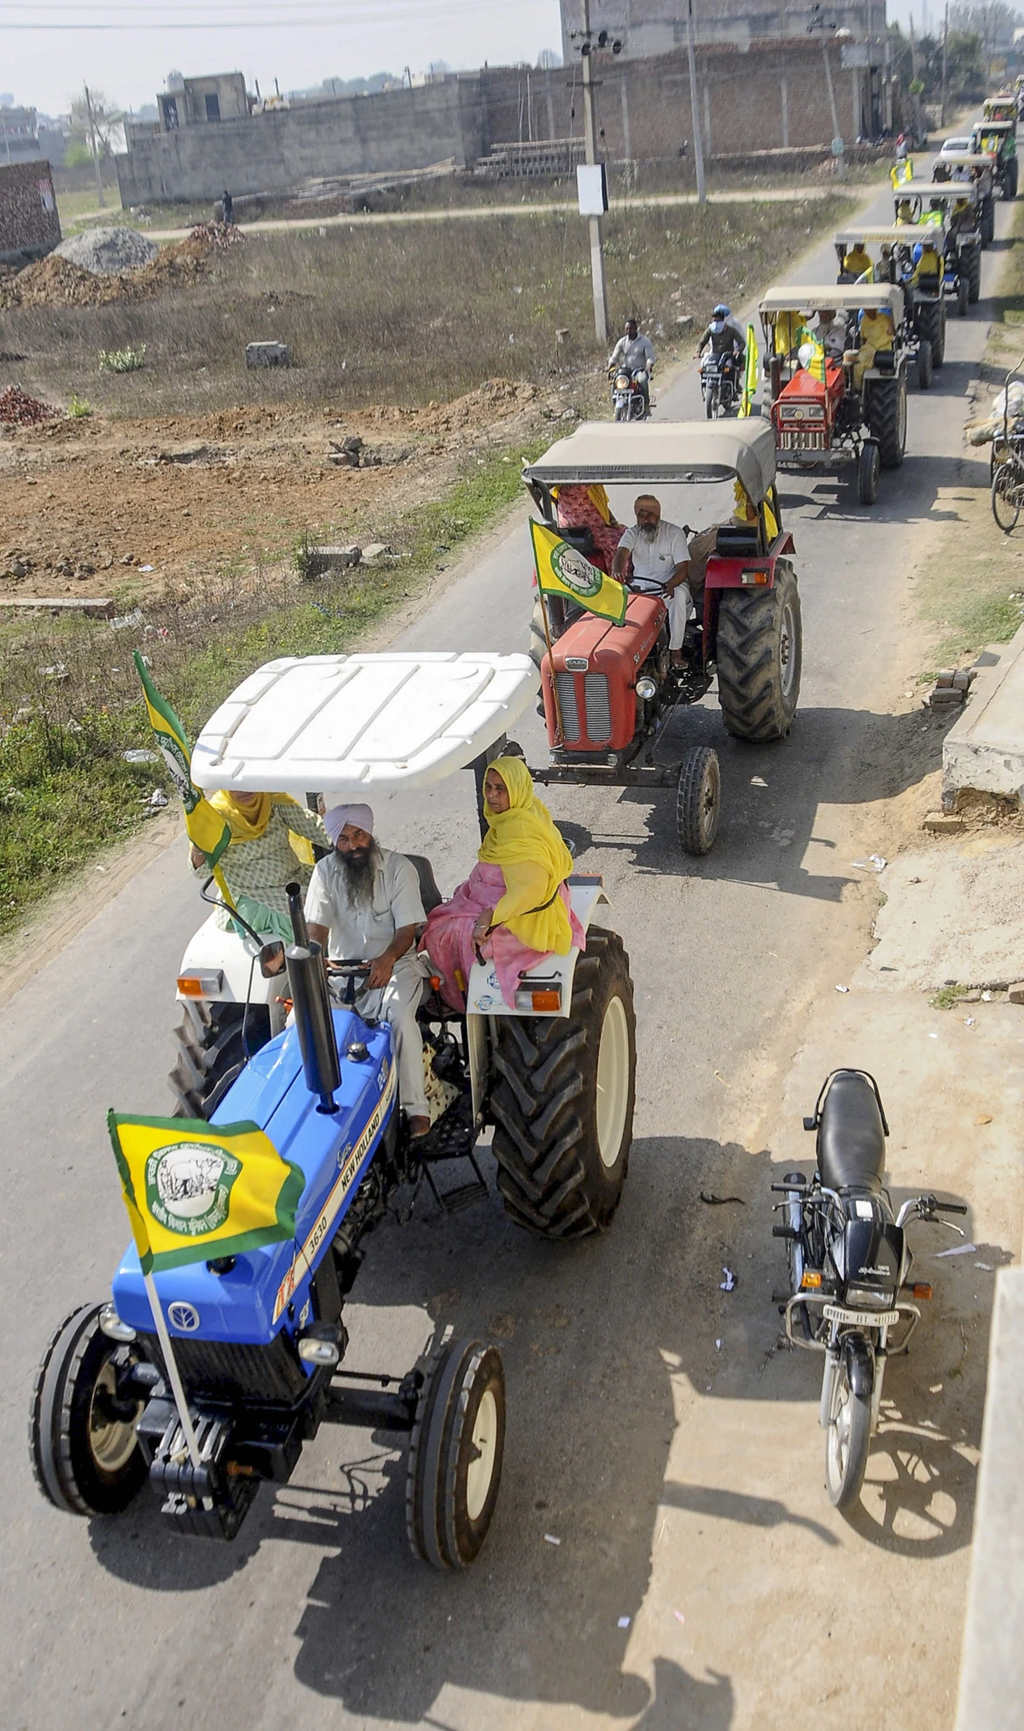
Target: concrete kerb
x,y
984,750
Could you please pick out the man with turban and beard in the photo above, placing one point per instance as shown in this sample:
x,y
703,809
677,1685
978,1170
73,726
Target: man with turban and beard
x,y
364,901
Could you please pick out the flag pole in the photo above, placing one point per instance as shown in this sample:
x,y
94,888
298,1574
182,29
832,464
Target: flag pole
x,y
560,740
173,1375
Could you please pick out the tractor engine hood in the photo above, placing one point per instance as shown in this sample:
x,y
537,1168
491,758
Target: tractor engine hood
x,y
267,1288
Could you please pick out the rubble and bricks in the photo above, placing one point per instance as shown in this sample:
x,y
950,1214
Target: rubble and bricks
x,y
29,222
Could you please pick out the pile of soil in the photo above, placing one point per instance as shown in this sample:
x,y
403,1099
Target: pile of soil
x,y
166,500
56,281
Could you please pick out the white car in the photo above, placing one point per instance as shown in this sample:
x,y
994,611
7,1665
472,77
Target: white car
x,y
954,146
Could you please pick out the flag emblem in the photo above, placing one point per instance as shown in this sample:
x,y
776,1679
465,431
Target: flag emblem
x,y
562,570
195,1190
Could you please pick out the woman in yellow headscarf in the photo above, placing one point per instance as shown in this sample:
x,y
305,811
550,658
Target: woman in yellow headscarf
x,y
272,840
514,907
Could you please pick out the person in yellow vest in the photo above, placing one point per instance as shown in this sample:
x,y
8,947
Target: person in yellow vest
x,y
857,260
876,333
928,261
904,213
788,334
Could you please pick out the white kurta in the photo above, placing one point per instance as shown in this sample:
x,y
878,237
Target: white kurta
x,y
655,562
363,931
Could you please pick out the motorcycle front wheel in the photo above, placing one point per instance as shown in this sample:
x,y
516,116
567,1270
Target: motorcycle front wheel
x,y
847,1439
711,402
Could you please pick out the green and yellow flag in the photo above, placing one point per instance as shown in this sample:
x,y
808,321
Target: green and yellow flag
x,y
562,570
902,171
207,830
195,1190
750,374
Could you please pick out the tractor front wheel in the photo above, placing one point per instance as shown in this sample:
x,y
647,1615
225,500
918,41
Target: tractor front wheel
x,y
868,466
759,652
563,1098
924,364
455,1454
698,800
963,295
211,1052
887,418
85,1454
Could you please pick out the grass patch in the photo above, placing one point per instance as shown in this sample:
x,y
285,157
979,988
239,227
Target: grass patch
x,y
947,997
454,302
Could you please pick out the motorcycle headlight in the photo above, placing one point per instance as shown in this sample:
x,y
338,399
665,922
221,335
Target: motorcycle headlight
x,y
870,1297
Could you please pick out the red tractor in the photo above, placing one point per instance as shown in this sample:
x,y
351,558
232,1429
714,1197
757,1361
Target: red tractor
x,y
609,690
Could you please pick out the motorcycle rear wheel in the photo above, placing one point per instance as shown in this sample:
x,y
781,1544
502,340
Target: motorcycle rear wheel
x,y
847,1440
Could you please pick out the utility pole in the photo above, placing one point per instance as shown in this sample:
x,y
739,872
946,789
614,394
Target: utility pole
x,y
95,147
945,37
593,222
698,147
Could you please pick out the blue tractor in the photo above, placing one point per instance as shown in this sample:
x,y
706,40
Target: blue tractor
x,y
207,1378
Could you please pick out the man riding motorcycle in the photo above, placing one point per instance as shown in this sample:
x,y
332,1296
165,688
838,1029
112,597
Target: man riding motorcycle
x,y
728,343
635,355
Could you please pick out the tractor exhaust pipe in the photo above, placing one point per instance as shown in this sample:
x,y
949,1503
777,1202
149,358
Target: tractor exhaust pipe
x,y
307,983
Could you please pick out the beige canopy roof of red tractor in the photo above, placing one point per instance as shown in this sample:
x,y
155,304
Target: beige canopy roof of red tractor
x,y
665,452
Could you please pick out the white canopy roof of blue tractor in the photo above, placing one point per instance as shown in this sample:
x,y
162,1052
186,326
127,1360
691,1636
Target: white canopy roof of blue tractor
x,y
666,453
355,724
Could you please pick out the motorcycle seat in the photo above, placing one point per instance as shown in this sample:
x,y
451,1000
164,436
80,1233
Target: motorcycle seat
x,y
851,1138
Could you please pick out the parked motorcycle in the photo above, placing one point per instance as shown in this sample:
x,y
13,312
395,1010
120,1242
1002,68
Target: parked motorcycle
x,y
630,395
849,1264
718,385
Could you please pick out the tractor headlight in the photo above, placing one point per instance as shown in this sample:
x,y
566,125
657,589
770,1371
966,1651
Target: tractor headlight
x,y
112,1326
646,687
319,1345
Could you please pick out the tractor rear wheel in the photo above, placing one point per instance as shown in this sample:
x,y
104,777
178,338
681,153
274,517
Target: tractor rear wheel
x,y
758,652
211,1053
538,642
988,222
1011,178
974,275
887,418
86,1456
963,294
563,1100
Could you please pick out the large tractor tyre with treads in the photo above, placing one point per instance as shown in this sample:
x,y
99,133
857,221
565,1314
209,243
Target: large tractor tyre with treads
x,y
972,264
211,1053
988,222
931,327
887,418
759,652
1012,173
563,1098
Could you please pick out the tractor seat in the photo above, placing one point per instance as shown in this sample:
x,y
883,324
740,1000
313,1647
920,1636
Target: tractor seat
x,y
430,895
582,539
851,1139
737,541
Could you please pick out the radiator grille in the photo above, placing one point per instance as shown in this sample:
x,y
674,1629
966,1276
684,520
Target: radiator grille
x,y
221,1370
565,685
794,441
598,707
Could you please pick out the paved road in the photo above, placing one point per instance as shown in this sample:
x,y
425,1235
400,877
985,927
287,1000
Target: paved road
x,y
699,1575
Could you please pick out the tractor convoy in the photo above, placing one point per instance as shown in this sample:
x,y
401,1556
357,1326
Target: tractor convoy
x,y
220,1352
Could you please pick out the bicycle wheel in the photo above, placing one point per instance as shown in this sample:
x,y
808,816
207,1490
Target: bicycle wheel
x,y
1007,496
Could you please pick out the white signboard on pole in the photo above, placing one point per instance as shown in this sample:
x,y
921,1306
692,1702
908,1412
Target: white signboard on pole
x,y
592,187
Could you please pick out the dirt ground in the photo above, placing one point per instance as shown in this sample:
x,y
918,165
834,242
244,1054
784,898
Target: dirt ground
x,y
86,504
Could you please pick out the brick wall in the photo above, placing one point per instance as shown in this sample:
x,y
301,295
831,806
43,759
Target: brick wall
x,y
29,224
770,96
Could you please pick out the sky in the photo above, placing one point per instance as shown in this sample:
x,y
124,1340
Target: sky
x,y
299,42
